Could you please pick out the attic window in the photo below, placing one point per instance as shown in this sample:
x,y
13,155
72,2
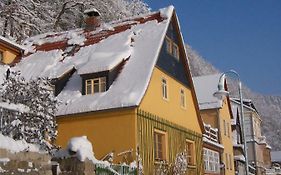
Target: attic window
x,y
95,85
172,48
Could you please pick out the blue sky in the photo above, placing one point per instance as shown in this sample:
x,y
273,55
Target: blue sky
x,y
244,35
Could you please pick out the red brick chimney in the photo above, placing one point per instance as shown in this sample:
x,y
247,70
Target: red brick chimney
x,y
93,19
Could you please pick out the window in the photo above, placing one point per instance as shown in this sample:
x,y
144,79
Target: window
x,y
228,130
164,89
190,152
230,162
169,44
224,127
1,56
159,145
211,161
172,48
226,160
95,85
182,98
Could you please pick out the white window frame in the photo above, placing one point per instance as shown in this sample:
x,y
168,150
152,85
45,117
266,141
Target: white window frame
x,y
211,161
172,48
228,129
164,88
182,98
226,161
230,161
101,85
224,127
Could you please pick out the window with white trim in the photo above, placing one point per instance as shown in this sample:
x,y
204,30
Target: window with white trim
x,y
164,89
224,127
182,98
172,48
230,162
226,161
95,85
228,130
211,161
160,148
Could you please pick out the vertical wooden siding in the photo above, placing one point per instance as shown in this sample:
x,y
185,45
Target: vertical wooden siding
x,y
176,136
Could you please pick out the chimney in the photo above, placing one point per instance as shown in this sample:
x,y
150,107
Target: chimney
x,y
93,19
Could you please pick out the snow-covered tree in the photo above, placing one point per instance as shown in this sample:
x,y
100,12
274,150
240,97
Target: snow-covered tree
x,y
70,12
22,18
30,113
180,165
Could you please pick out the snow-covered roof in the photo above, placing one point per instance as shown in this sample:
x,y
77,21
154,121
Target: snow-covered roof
x,y
136,40
11,43
247,103
276,156
206,140
239,157
205,87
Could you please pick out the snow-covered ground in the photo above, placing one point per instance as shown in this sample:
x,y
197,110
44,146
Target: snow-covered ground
x,y
17,146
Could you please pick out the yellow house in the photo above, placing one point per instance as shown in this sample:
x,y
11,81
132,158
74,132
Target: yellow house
x,y
9,51
127,86
218,114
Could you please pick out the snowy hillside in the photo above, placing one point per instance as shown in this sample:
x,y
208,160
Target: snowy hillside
x,y
269,107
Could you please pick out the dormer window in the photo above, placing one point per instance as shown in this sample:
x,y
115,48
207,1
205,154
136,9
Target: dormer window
x,y
172,48
95,85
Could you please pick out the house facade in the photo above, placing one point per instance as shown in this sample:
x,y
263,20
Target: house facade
x,y
216,113
126,86
9,51
258,148
212,149
238,142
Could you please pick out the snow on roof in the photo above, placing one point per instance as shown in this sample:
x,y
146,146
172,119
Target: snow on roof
x,y
138,40
206,140
205,87
276,156
11,43
92,10
17,146
239,157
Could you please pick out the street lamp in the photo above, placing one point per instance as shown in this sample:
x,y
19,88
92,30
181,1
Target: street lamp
x,y
222,93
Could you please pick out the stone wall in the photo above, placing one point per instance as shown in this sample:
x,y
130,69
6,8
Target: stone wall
x,y
21,163
73,166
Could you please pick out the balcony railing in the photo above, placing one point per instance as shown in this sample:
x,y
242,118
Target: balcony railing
x,y
211,133
115,170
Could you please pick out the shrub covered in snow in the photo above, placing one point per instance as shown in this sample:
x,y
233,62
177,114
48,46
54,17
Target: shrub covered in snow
x,y
179,167
27,110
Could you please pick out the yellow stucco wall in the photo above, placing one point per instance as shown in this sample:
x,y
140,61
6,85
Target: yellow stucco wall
x,y
8,54
170,109
209,116
108,131
226,139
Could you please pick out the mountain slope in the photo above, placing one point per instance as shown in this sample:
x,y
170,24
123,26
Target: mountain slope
x,y
269,107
